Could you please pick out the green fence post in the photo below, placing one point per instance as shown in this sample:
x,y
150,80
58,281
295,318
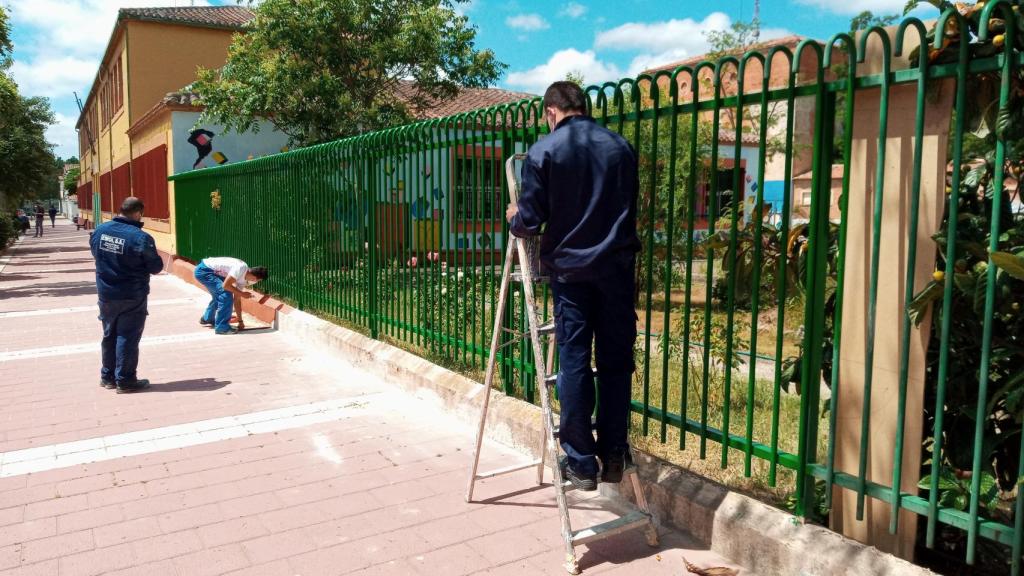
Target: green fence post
x,y
371,246
814,304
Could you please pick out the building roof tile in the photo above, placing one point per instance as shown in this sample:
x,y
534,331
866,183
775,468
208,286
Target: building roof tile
x,y
213,16
467,100
791,41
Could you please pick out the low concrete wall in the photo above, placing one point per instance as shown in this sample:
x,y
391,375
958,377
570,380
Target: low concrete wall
x,y
766,540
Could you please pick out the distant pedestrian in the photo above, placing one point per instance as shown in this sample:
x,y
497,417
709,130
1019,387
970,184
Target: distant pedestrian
x,y
53,216
23,223
125,258
225,278
40,214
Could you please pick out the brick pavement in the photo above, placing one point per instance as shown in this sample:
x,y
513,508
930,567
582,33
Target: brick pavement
x,y
225,467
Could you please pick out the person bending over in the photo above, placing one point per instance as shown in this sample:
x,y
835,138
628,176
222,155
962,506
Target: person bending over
x,y
226,279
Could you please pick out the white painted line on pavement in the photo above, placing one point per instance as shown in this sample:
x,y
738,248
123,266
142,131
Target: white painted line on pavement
x,y
33,353
53,456
74,309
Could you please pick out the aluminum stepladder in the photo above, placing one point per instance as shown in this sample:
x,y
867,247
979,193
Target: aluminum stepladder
x,y
524,250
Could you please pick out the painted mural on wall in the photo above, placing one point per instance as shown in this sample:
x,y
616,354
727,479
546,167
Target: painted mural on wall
x,y
209,145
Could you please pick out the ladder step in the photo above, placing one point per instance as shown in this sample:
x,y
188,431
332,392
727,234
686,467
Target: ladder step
x,y
518,277
507,470
634,519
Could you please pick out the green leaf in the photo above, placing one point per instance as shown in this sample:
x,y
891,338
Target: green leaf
x,y
981,125
973,177
989,494
946,481
966,283
1013,265
1003,122
1012,392
980,288
922,302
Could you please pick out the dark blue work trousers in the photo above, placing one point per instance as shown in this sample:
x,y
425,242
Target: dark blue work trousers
x,y
123,322
596,315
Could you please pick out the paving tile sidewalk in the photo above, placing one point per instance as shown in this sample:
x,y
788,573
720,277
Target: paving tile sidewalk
x,y
251,455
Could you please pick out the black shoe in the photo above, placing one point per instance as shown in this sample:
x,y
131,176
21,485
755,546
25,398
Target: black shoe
x,y
129,387
614,465
584,483
228,331
107,384
205,322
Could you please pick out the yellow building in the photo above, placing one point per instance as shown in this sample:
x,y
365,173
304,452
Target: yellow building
x,y
151,52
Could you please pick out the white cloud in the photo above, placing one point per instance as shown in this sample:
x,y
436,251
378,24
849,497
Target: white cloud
x,y
466,7
573,10
63,136
528,22
66,41
684,36
668,41
879,7
537,79
81,26
54,77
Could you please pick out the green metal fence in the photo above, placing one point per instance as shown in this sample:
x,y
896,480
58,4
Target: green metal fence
x,y
401,232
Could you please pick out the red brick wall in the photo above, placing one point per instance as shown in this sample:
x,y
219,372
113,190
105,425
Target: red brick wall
x,y
149,181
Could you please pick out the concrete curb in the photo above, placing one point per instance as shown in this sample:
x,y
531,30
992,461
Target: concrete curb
x,y
765,540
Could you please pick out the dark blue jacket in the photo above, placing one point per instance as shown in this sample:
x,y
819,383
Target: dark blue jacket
x,y
125,257
582,181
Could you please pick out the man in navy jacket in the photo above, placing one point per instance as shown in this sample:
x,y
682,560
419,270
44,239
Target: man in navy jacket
x,y
581,183
125,258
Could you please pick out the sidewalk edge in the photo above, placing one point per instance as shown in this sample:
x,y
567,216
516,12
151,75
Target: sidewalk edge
x,y
766,540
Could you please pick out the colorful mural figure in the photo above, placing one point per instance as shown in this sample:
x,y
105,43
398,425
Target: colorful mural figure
x,y
202,139
215,145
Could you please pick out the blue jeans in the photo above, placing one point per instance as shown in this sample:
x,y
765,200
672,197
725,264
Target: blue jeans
x,y
219,310
123,322
598,314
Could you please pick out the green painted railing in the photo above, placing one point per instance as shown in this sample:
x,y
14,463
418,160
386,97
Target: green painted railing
x,y
401,232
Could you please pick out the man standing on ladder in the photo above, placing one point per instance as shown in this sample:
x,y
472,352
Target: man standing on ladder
x,y
581,181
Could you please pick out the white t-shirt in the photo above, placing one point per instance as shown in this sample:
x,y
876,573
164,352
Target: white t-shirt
x,y
225,266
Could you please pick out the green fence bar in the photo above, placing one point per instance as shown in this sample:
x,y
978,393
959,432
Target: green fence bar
x,y
849,46
876,241
909,291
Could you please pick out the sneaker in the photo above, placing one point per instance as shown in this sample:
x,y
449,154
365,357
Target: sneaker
x,y
584,483
107,384
228,331
129,387
205,322
614,465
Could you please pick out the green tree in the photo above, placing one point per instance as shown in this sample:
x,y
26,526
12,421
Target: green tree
x,y
71,180
867,19
576,77
327,69
26,158
742,37
737,39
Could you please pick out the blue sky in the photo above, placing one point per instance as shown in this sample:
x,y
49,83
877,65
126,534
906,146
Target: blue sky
x,y
58,43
